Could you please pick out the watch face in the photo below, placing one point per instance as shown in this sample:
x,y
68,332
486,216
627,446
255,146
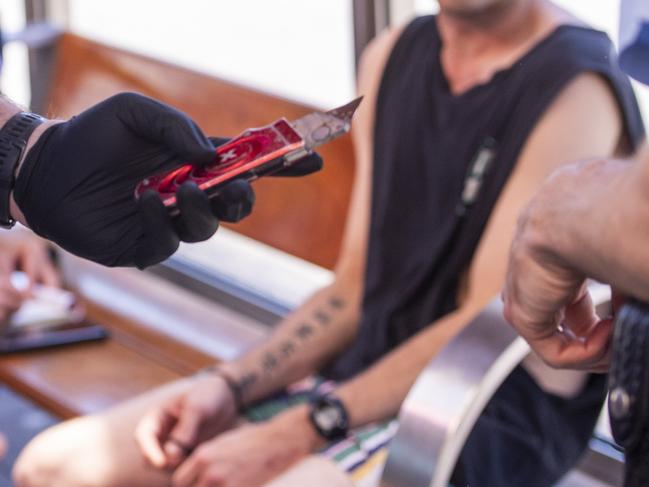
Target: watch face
x,y
328,417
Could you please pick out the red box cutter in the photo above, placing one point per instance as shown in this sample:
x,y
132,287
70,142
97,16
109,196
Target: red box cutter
x,y
255,153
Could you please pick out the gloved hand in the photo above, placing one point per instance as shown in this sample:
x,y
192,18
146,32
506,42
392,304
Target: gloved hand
x,y
76,185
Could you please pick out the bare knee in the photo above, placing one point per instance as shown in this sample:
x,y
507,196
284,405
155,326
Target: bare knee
x,y
60,456
37,465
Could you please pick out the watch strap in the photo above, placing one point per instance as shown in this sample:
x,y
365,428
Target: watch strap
x,y
13,140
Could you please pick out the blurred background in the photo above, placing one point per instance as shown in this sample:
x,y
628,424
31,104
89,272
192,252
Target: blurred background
x,y
303,51
231,65
248,41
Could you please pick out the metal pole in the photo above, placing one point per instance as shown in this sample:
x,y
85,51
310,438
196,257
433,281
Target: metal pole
x,y
41,59
370,18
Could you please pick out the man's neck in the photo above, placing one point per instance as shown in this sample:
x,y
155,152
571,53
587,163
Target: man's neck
x,y
476,45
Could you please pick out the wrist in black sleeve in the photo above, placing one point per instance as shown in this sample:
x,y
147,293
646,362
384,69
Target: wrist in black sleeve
x,y
14,136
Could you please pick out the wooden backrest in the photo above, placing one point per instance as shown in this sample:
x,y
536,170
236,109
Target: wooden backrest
x,y
304,217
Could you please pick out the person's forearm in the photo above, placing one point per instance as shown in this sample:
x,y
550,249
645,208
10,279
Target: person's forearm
x,y
378,393
7,109
304,341
603,230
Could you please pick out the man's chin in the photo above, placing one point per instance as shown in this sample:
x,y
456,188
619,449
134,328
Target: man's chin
x,y
474,10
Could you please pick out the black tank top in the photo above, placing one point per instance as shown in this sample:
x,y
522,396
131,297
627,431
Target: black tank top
x,y
426,141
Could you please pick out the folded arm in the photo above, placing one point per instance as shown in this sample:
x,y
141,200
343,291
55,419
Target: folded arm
x,y
604,229
588,219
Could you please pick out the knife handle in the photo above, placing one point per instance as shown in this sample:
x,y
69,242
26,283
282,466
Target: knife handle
x,y
255,152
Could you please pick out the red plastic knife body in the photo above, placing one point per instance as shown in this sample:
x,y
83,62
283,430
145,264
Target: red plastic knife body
x,y
240,157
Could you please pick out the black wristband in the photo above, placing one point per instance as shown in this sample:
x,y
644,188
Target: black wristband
x,y
232,384
13,140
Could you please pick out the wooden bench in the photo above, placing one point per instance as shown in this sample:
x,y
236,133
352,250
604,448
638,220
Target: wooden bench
x,y
304,218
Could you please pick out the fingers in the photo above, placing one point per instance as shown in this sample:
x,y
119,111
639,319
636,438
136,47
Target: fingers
x,y
164,125
589,352
36,263
210,480
160,239
580,315
149,433
49,274
307,165
218,141
196,221
10,299
188,473
183,438
234,201
7,263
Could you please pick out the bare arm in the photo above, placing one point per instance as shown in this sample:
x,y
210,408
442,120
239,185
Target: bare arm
x,y
585,107
377,393
301,344
588,219
605,225
327,322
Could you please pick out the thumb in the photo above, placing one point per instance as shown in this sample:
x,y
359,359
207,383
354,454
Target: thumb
x,y
164,125
183,437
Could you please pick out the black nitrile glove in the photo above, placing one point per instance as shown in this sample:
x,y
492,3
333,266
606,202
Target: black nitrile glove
x,y
76,186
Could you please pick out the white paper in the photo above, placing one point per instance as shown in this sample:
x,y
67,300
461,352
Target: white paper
x,y
49,306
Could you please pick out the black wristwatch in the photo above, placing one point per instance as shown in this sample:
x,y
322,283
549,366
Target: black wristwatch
x,y
13,140
329,417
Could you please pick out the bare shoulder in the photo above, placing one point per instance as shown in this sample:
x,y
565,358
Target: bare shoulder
x,y
370,73
351,263
375,57
587,85
587,109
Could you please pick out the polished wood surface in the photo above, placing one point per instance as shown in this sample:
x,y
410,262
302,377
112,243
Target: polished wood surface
x,y
88,377
304,217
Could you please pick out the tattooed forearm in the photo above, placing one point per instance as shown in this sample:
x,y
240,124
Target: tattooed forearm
x,y
275,358
245,383
304,331
336,303
287,348
269,362
322,317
